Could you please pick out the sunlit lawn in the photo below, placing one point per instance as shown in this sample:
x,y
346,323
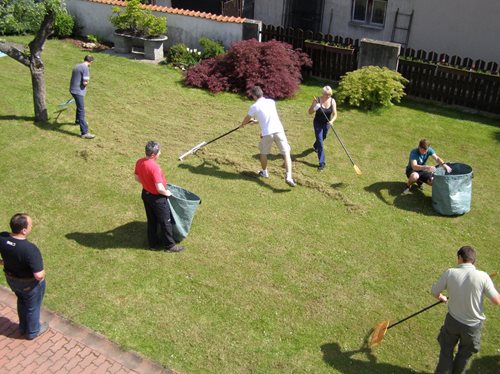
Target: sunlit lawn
x,y
274,279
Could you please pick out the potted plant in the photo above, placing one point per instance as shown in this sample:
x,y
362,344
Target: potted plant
x,y
136,22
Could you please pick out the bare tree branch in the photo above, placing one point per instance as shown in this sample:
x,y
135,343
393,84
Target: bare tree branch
x,y
15,51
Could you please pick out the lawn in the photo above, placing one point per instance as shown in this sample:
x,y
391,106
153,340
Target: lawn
x,y
274,279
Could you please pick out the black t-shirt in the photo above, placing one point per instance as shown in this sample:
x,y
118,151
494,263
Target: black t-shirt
x,y
21,258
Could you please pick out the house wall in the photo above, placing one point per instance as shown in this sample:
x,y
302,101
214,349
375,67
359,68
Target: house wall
x,y
94,20
269,12
457,27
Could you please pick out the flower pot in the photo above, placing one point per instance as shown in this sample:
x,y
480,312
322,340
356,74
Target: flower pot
x,y
123,43
153,48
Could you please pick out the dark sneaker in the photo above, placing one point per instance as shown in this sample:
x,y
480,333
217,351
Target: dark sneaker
x,y
290,182
175,249
88,136
44,327
420,185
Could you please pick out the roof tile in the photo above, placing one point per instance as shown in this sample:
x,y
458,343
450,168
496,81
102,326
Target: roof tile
x,y
169,10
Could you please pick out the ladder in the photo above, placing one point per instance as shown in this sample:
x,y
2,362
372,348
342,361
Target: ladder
x,y
404,28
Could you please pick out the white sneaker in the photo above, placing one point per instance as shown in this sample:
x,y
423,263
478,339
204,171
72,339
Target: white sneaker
x,y
290,182
406,191
263,174
88,136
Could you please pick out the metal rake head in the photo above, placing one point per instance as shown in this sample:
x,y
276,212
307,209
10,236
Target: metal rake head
x,y
378,334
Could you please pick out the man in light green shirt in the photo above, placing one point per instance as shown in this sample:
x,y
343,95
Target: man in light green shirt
x,y
466,288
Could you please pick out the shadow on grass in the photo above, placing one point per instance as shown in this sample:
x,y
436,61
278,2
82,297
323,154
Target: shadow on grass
x,y
57,127
129,235
416,202
17,118
485,364
497,136
344,363
213,170
295,157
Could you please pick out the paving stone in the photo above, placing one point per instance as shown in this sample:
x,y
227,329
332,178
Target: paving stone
x,y
65,348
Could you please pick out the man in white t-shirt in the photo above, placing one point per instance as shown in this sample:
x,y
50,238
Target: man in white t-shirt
x,y
264,112
466,288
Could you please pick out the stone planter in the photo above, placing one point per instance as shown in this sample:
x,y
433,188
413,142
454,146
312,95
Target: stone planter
x,y
123,43
153,48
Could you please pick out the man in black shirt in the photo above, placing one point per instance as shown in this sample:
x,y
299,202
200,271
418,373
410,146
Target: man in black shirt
x,y
23,267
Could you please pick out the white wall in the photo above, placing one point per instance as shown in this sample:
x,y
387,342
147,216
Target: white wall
x,y
94,20
269,12
466,28
458,27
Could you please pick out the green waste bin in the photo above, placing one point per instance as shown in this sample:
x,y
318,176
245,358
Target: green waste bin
x,y
183,205
452,192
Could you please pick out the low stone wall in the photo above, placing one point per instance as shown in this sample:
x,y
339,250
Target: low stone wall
x,y
93,18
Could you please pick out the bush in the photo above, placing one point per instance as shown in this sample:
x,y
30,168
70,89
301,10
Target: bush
x,y
181,56
371,86
64,25
273,65
211,48
20,17
134,20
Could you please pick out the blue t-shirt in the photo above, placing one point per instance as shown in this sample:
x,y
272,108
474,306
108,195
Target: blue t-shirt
x,y
79,74
420,158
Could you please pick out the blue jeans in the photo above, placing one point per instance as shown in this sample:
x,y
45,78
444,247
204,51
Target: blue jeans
x,y
320,131
29,301
80,113
468,339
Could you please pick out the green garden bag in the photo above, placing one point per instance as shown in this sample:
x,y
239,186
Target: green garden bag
x,y
452,193
183,205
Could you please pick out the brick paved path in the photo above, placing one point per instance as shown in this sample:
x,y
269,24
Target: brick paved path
x,y
65,348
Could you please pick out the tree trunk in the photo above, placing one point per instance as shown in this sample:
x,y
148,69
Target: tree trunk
x,y
35,63
37,68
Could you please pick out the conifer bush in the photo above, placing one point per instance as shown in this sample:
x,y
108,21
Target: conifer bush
x,y
273,65
371,87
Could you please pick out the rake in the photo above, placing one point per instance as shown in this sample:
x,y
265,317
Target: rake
x,y
356,168
381,328
202,144
66,103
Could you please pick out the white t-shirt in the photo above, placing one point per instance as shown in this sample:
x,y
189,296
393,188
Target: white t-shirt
x,y
265,112
466,289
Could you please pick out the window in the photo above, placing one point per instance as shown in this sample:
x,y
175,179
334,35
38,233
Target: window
x,y
371,12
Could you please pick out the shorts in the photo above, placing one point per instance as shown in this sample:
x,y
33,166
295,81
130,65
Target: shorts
x,y
423,175
281,142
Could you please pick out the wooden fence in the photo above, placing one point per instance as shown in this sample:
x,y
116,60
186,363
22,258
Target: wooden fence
x,y
332,56
454,81
437,77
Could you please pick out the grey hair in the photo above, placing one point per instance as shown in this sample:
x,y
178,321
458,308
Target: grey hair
x,y
257,92
152,148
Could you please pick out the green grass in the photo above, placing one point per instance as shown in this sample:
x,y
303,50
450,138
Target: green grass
x,y
274,280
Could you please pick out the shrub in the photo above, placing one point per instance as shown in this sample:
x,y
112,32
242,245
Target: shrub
x,y
181,56
136,21
64,25
211,48
93,39
371,86
273,65
20,17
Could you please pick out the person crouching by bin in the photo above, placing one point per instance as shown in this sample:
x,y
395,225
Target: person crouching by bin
x,y
154,195
417,171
